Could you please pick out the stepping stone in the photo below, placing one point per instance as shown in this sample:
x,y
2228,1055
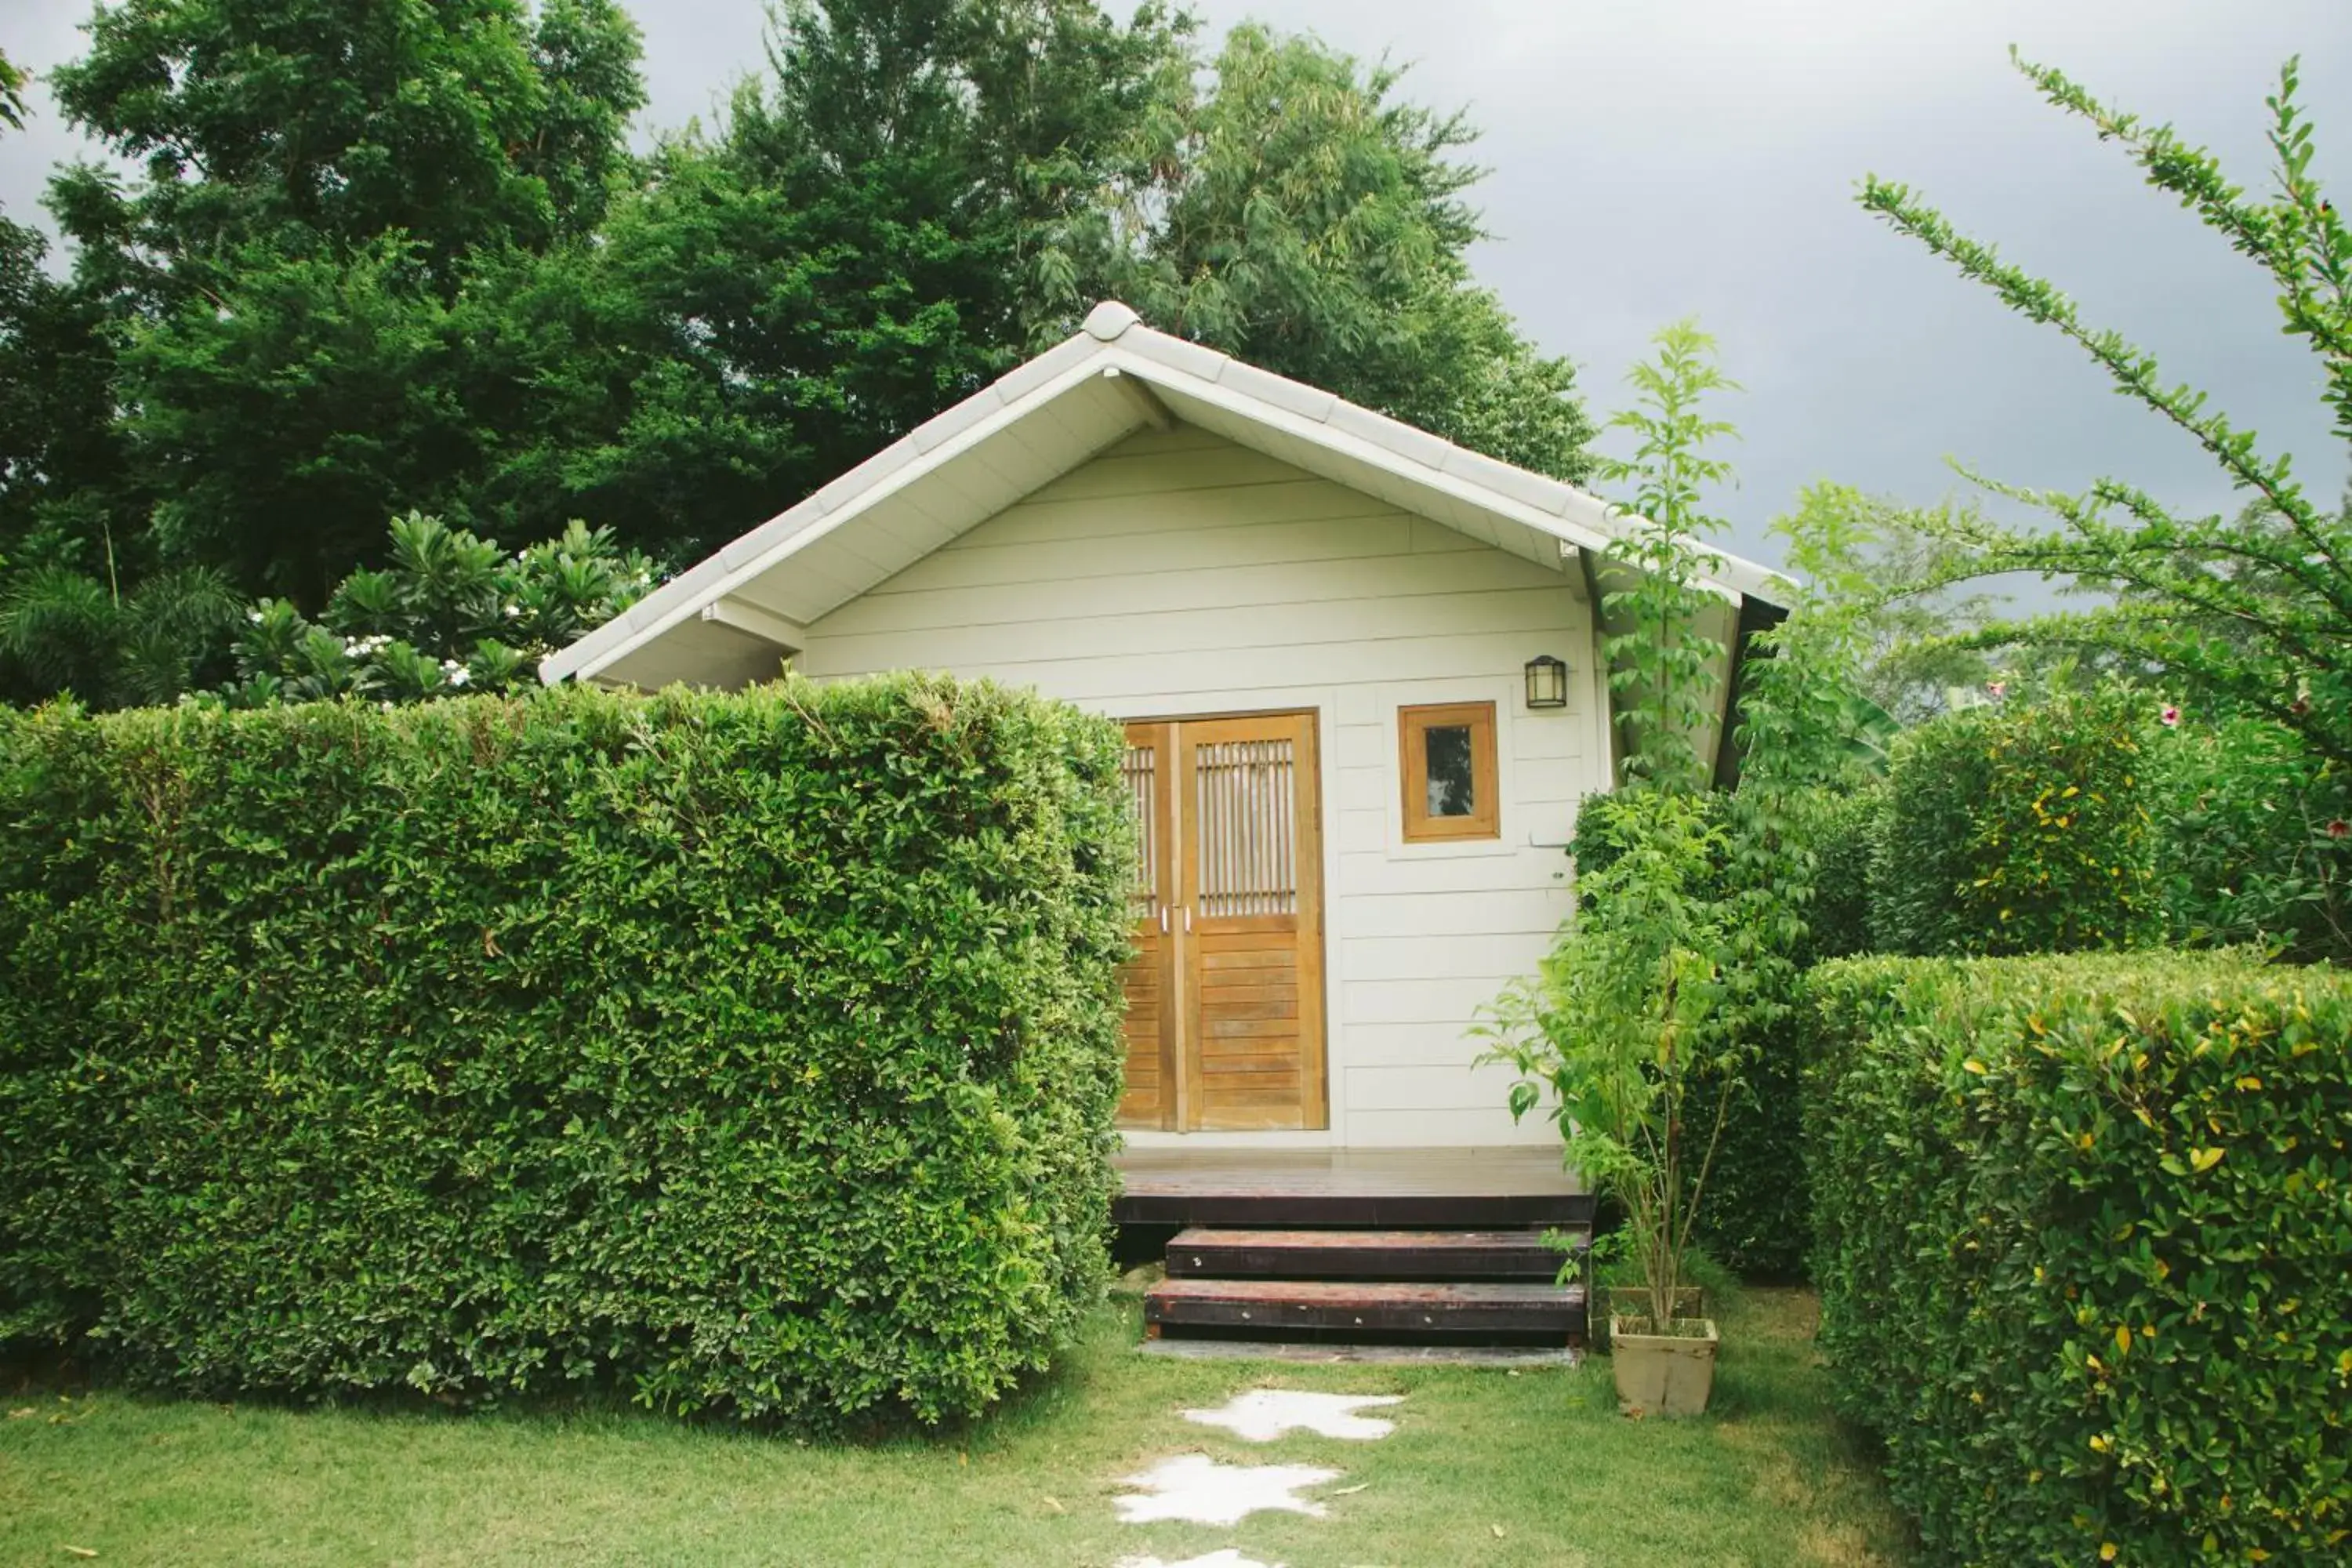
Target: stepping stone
x,y
1264,1414
1197,1490
1228,1558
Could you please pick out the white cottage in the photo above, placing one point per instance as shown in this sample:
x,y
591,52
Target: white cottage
x,y
1361,677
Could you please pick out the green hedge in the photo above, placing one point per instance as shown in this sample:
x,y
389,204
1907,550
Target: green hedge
x,y
757,1054
2085,1251
2020,828
1842,826
2255,841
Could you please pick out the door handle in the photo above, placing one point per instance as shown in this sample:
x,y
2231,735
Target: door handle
x,y
1163,919
1188,920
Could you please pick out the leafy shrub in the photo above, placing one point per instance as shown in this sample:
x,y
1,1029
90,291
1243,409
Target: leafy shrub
x,y
1840,827
1757,1214
2082,1232
2255,842
450,613
757,1052
1613,1034
2020,828
65,631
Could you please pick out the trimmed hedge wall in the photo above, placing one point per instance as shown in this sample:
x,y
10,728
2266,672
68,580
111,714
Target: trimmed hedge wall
x,y
1843,826
2084,1245
2019,829
756,1053
2255,841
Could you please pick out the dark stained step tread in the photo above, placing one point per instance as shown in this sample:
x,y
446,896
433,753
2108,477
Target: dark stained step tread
x,y
1366,1306
1367,1253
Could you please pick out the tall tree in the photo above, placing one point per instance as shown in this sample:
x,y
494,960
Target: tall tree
x,y
62,463
2254,608
856,248
60,454
315,124
335,195
1301,216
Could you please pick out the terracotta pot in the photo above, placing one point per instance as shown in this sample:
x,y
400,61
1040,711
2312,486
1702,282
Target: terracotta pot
x,y
1662,1374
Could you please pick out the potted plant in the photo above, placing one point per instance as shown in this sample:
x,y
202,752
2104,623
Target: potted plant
x,y
1616,1031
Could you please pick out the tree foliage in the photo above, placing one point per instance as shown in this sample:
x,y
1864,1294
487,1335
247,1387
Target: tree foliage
x,y
63,463
1303,216
853,249
323,125
2253,609
376,259
449,613
62,630
296,316
12,94
1662,668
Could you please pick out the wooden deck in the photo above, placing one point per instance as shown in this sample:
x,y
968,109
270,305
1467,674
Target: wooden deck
x,y
1479,1188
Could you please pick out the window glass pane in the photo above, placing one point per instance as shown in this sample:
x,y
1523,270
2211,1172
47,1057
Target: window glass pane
x,y
1447,749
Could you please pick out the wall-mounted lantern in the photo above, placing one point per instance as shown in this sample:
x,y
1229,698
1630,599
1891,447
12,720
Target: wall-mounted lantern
x,y
1546,682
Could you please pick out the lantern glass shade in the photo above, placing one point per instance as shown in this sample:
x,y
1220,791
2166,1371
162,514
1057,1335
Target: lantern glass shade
x,y
1546,682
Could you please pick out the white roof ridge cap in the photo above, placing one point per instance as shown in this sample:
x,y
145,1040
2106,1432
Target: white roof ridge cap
x,y
1108,320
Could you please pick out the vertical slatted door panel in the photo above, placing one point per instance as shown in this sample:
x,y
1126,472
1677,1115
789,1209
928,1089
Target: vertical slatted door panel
x,y
1150,978
1254,956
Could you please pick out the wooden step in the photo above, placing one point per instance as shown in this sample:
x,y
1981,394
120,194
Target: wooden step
x,y
1364,1307
1366,1254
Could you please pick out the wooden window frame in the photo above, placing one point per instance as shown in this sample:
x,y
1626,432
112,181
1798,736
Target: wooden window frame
x,y
1413,723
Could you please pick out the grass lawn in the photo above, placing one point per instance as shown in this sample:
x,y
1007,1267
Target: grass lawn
x,y
1485,1467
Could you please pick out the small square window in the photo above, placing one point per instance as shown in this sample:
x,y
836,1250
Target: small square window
x,y
1445,755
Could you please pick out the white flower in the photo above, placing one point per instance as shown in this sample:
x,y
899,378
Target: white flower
x,y
460,676
253,615
513,610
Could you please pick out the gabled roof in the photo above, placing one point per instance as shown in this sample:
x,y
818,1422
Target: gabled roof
x,y
729,614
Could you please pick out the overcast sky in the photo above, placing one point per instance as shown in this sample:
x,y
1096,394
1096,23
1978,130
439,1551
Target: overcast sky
x,y
1653,159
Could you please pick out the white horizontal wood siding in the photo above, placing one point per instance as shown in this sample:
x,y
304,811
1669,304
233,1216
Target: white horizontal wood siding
x,y
1180,575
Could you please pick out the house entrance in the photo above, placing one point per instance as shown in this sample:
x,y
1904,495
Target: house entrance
x,y
1224,997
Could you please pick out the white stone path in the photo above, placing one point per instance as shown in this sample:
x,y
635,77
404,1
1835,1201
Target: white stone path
x,y
1197,1490
1264,1414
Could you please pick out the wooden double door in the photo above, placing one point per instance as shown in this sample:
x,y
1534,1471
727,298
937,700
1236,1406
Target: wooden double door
x,y
1224,996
